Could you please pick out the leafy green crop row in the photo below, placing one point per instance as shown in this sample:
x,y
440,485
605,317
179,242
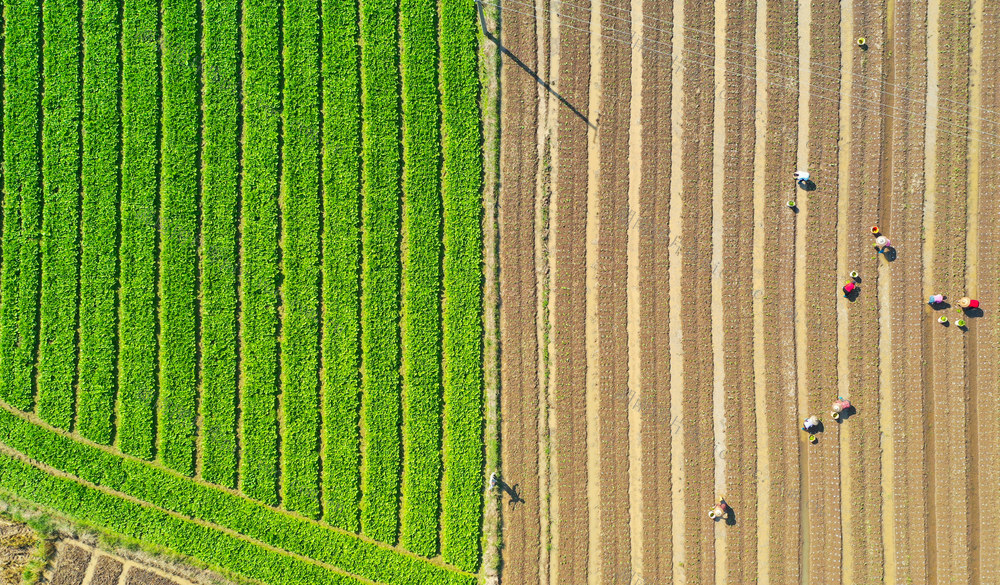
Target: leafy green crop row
x,y
219,224
179,256
259,290
60,223
150,483
341,263
301,225
98,270
380,296
211,545
139,223
421,313
22,203
463,329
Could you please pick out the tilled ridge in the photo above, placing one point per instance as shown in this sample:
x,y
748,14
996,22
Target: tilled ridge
x,y
862,457
518,342
654,215
696,288
612,191
777,297
569,357
737,291
948,276
987,328
908,318
822,284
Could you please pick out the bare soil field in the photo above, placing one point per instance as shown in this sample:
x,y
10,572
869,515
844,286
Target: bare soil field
x,y
695,313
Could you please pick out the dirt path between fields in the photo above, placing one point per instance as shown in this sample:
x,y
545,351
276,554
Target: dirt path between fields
x,y
844,168
760,201
946,254
635,394
777,300
733,271
610,256
677,429
907,547
987,328
972,246
518,342
656,346
799,284
718,267
570,506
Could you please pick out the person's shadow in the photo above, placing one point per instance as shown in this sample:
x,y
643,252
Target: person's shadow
x,y
515,498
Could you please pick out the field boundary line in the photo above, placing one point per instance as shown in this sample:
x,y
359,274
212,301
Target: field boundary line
x,y
675,302
930,193
760,387
801,335
717,270
593,339
636,398
844,149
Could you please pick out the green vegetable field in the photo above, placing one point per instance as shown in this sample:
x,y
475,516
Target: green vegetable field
x,y
241,281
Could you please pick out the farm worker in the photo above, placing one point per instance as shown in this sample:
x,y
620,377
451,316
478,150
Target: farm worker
x,y
849,288
720,510
883,242
839,406
936,299
801,178
967,303
493,481
811,424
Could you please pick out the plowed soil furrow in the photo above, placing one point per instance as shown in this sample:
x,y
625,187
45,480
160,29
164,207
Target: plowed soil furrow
x,y
948,276
613,180
654,334
737,292
908,318
861,459
696,288
518,342
778,297
569,356
822,283
987,328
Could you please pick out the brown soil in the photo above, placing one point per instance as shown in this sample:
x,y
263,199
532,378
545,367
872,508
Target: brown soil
x,y
613,140
137,576
696,275
17,543
106,572
570,513
654,334
908,319
71,566
822,281
987,328
737,292
778,297
948,275
861,458
518,374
